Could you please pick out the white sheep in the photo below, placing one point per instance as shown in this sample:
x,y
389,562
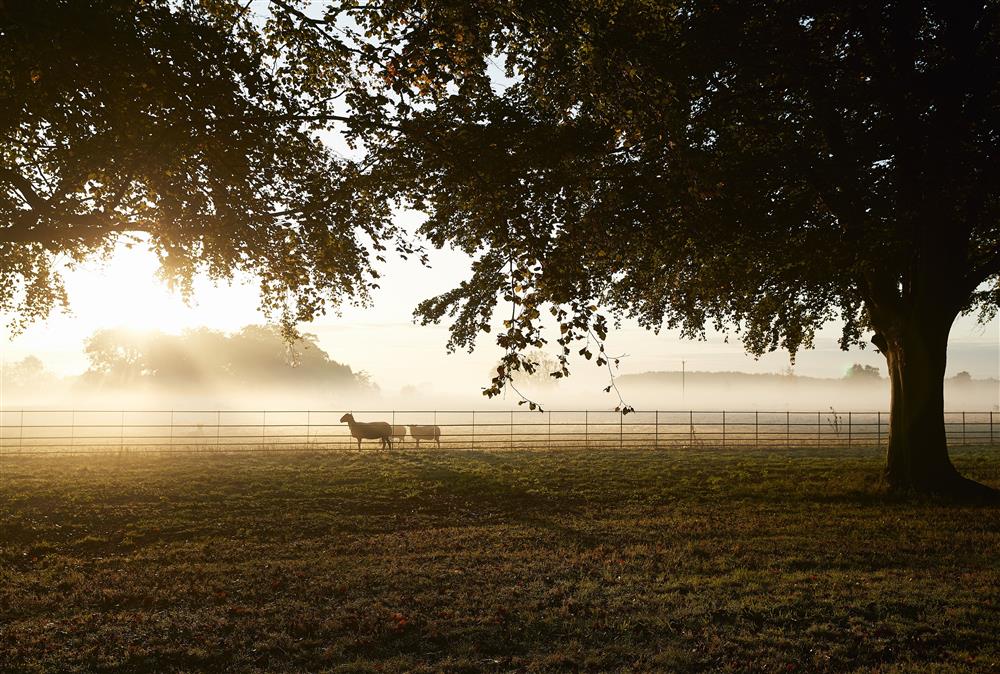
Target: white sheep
x,y
370,430
426,433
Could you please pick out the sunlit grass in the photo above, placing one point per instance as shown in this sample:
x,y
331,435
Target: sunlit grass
x,y
470,561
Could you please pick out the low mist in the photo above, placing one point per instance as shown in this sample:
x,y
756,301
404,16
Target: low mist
x,y
862,389
256,369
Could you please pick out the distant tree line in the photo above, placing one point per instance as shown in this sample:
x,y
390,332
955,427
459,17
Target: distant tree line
x,y
257,355
857,373
862,372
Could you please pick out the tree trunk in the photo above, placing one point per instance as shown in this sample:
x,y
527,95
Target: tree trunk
x,y
917,457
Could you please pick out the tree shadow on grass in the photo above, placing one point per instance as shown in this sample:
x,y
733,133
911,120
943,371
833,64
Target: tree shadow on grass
x,y
478,494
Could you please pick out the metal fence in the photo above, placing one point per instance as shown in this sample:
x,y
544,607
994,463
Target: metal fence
x,y
200,430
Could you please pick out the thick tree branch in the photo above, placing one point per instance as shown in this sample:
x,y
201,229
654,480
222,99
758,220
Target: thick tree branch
x,y
25,188
86,227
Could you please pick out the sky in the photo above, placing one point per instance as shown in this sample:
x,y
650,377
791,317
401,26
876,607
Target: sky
x,y
383,340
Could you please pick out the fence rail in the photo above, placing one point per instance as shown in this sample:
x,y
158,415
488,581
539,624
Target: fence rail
x,y
103,430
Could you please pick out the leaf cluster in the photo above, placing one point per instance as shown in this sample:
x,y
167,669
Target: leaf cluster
x,y
188,123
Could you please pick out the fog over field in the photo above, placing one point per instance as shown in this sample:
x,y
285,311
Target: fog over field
x,y
253,368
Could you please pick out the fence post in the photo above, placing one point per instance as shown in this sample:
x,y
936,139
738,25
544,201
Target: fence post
x,y
20,431
991,428
308,427
850,427
656,429
788,428
218,429
723,429
963,428
549,444
690,428
171,428
511,427
878,422
756,430
819,430
586,429
121,433
263,429
473,429
72,429
621,424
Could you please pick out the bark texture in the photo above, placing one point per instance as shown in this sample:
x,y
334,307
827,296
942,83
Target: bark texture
x,y
917,456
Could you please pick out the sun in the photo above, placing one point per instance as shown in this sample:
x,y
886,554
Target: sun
x,y
126,291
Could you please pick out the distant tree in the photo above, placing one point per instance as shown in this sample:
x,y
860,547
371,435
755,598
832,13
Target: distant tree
x,y
29,372
118,355
766,166
962,377
256,355
543,371
179,122
863,372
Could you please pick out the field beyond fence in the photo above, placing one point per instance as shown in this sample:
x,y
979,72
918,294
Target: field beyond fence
x,y
192,430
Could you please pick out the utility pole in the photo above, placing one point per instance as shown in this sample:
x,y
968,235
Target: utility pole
x,y
683,374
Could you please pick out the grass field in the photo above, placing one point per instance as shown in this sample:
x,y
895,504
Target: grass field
x,y
693,560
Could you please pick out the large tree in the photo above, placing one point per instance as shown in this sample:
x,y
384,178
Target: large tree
x,y
760,166
177,123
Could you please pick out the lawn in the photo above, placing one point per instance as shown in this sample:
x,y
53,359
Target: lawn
x,y
681,560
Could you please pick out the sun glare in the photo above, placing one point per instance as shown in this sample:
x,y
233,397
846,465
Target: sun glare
x,y
126,291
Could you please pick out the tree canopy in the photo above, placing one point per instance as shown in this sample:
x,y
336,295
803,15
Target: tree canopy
x,y
762,166
180,121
